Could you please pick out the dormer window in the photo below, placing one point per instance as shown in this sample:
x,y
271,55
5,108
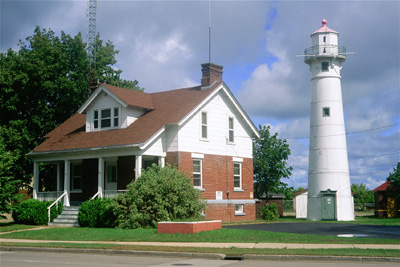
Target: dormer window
x,y
105,118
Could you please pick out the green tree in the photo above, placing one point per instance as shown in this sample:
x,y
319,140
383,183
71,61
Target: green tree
x,y
42,85
269,161
160,194
394,179
8,185
362,194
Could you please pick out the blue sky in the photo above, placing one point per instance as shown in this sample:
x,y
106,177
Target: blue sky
x,y
163,43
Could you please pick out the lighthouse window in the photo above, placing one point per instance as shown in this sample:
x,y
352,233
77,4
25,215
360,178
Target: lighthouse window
x,y
324,39
324,66
326,112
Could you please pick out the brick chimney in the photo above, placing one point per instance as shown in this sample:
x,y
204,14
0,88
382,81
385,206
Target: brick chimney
x,y
211,73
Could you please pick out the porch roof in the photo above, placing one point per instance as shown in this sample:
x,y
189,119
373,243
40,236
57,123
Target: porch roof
x,y
168,107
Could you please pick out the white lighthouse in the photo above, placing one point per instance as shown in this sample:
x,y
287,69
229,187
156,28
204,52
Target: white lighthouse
x,y
329,193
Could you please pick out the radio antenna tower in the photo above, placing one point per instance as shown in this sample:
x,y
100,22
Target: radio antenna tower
x,y
209,31
91,43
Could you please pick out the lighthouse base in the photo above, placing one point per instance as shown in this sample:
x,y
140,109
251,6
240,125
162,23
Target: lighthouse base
x,y
329,206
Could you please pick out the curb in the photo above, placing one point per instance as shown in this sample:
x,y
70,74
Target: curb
x,y
355,259
210,256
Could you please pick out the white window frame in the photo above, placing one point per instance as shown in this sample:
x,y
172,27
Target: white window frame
x,y
231,137
200,173
74,176
203,125
114,118
235,188
239,210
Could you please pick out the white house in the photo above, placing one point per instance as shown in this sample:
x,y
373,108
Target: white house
x,y
117,132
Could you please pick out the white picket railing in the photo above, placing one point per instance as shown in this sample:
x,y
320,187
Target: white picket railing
x,y
55,202
108,193
49,196
112,193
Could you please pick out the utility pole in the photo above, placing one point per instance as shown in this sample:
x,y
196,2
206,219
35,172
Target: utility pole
x,y
91,43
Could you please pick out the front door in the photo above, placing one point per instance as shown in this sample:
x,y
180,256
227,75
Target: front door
x,y
328,205
111,176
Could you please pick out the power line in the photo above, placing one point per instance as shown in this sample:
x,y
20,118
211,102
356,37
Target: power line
x,y
348,133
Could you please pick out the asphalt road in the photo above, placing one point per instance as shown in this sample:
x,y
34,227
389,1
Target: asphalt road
x,y
51,259
333,229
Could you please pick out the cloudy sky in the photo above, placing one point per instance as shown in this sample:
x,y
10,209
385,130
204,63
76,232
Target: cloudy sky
x,y
163,43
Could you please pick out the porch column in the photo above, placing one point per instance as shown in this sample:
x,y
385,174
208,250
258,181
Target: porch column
x,y
67,183
58,177
100,178
138,167
162,162
35,179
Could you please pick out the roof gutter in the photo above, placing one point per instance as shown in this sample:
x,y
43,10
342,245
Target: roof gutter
x,y
77,150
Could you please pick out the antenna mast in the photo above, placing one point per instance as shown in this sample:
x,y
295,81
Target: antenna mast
x,y
91,43
209,31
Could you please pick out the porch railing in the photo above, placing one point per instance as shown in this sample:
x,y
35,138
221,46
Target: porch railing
x,y
49,196
112,193
108,193
55,202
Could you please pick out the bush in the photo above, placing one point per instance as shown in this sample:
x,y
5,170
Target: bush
x,y
160,194
96,213
269,212
34,212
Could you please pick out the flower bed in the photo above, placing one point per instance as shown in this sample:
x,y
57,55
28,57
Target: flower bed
x,y
187,227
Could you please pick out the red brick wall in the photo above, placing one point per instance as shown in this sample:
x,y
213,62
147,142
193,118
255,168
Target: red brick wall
x,y
218,176
226,212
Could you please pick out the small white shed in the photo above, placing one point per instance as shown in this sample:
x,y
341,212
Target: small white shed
x,y
301,204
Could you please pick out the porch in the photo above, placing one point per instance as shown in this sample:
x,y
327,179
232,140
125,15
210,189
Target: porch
x,y
78,180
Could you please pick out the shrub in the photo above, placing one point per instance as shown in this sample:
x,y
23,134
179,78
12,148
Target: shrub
x,y
269,212
96,213
33,211
160,194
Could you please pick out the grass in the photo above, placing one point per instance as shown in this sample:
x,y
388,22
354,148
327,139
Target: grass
x,y
216,236
10,226
227,251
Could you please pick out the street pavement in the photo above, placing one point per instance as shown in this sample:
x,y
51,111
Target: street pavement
x,y
71,259
333,229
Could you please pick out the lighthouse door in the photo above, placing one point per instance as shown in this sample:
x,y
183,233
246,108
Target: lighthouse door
x,y
328,205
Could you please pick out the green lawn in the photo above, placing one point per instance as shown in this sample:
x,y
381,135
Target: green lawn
x,y
219,236
9,226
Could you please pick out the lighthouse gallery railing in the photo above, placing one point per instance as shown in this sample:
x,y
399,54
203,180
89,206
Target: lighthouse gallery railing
x,y
327,50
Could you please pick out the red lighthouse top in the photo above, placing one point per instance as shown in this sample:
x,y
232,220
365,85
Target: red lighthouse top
x,y
324,28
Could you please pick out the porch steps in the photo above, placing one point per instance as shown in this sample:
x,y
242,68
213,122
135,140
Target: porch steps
x,y
68,217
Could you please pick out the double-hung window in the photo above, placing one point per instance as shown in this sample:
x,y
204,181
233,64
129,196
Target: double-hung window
x,y
106,118
231,133
197,173
204,133
237,175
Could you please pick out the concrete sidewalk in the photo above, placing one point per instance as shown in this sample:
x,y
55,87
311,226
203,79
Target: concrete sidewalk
x,y
215,245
